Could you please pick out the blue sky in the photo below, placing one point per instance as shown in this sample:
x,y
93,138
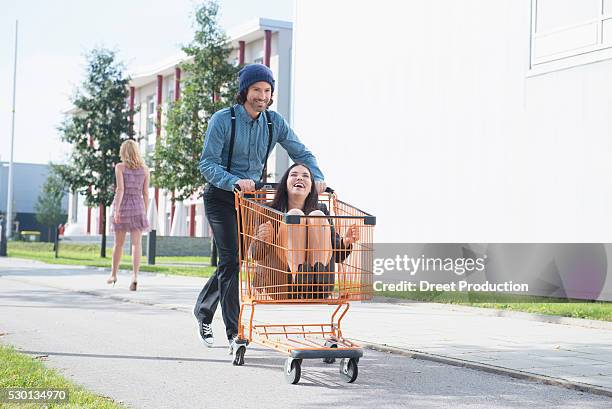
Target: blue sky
x,y
54,37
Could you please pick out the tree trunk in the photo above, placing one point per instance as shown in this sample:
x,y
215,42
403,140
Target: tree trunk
x,y
103,245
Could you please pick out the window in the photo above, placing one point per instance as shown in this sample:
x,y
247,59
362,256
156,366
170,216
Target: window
x,y
150,114
258,60
566,29
170,92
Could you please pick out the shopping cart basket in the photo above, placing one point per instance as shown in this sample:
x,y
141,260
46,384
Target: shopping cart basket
x,y
303,261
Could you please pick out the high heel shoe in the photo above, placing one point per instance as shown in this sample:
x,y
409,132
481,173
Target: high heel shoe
x,y
133,286
111,280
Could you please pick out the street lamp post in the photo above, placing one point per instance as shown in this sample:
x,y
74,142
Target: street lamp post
x,y
9,198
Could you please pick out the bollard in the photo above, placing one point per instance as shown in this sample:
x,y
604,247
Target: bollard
x,y
2,237
151,247
56,242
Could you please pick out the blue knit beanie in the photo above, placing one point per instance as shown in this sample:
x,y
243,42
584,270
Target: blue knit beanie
x,y
253,73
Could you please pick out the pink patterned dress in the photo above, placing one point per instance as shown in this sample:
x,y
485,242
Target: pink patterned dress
x,y
132,211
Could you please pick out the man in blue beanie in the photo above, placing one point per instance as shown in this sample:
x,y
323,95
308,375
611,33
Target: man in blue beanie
x,y
237,144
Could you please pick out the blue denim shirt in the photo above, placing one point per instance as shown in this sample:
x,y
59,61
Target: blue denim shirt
x,y
250,147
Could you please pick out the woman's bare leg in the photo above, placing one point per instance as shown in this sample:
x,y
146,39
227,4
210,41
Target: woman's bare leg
x,y
136,238
293,238
117,252
319,239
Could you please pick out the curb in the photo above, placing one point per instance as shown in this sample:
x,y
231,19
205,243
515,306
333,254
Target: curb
x,y
498,370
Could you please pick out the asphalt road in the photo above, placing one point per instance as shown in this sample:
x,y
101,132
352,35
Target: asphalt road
x,y
149,357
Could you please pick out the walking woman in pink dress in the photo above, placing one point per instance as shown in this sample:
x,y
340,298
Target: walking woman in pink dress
x,y
129,207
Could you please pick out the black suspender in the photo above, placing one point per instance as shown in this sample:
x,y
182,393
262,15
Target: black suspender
x,y
233,138
263,172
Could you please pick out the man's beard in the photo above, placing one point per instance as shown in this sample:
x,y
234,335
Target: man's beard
x,y
259,107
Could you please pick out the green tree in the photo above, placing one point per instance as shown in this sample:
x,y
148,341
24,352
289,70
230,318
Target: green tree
x,y
209,84
96,130
48,206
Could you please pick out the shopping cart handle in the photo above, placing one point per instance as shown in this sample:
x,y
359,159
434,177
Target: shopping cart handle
x,y
266,185
261,185
258,186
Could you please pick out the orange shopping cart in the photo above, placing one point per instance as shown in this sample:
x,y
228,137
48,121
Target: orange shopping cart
x,y
321,274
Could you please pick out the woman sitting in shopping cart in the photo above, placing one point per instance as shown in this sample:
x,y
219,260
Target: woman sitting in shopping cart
x,y
297,260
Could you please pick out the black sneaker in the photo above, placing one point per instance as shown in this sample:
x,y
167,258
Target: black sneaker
x,y
232,344
235,343
206,334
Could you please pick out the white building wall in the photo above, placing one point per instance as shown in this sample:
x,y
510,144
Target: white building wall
x,y
281,61
426,114
77,215
254,51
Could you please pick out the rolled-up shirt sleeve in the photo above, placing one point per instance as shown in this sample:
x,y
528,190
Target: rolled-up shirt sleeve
x,y
211,158
297,150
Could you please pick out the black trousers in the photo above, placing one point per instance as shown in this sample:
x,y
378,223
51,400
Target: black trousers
x,y
223,285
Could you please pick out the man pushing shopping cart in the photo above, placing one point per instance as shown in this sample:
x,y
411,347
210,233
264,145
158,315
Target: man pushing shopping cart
x,y
238,142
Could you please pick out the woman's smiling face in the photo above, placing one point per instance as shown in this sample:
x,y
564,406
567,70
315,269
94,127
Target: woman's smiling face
x,y
299,181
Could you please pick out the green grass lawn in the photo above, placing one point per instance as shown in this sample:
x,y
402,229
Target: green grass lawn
x,y
594,310
89,255
21,371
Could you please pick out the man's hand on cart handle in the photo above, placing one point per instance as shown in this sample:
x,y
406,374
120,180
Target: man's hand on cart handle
x,y
264,232
321,186
352,235
245,185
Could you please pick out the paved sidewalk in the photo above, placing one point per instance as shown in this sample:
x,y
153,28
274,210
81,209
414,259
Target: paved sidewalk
x,y
572,353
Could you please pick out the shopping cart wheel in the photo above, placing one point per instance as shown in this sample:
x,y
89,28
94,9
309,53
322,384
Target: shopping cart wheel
x,y
330,344
293,370
239,355
349,369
